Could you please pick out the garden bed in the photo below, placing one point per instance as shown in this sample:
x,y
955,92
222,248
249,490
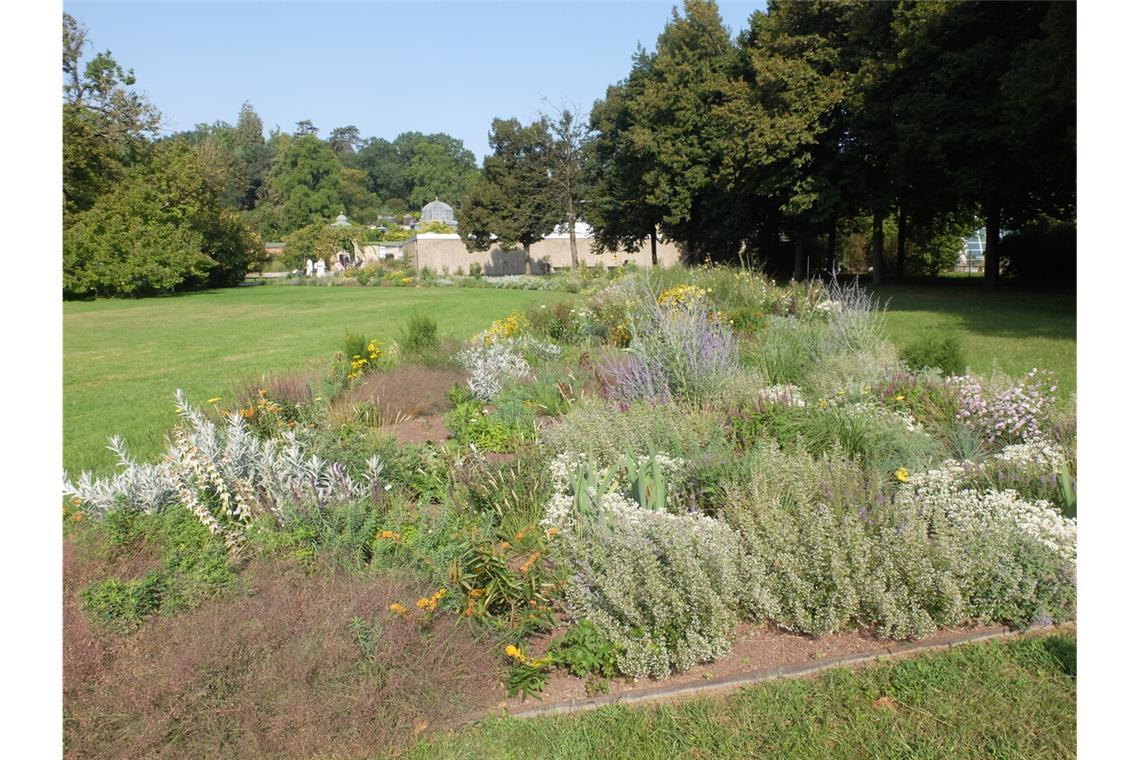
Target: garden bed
x,y
690,476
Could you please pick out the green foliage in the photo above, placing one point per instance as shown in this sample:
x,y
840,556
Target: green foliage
x,y
162,228
941,350
511,596
303,185
419,335
192,566
515,199
471,424
320,240
514,492
527,677
585,652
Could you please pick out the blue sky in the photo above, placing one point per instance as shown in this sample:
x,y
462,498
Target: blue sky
x,y
386,67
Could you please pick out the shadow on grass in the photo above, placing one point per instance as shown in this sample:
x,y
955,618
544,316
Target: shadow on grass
x,y
1065,652
1016,311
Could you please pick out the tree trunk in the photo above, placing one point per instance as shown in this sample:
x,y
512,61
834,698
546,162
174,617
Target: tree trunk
x,y
526,258
993,240
831,249
573,237
799,269
877,247
900,265
653,246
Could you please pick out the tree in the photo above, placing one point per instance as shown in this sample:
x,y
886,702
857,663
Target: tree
x,y
435,172
616,164
305,127
161,228
320,240
514,199
987,95
304,184
253,154
568,139
356,199
106,124
674,130
382,162
344,140
780,123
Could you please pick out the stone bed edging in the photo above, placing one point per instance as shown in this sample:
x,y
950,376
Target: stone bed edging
x,y
734,682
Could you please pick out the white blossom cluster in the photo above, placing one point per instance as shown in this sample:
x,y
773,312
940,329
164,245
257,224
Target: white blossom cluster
x,y
781,395
941,489
225,475
1036,453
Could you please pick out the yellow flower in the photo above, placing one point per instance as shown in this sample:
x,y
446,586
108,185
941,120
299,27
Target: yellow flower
x,y
398,608
902,475
514,652
900,397
390,535
213,400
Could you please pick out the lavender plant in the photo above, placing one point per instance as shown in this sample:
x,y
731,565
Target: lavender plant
x,y
687,344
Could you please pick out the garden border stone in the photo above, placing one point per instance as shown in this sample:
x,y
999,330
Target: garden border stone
x,y
802,670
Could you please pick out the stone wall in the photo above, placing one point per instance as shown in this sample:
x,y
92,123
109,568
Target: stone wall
x,y
447,254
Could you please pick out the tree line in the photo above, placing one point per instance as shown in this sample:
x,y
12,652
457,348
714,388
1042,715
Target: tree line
x,y
822,129
911,122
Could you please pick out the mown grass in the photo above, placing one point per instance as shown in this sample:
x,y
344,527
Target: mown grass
x,y
994,700
123,359
1019,328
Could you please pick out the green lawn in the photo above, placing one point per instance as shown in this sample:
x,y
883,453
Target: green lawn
x,y
994,700
123,359
1019,328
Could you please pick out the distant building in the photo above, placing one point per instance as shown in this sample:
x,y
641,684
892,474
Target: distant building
x,y
437,211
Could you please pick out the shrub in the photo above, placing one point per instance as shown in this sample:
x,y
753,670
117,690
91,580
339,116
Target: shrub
x,y
365,355
1006,412
224,476
784,351
663,588
940,350
188,567
557,322
594,427
471,424
419,335
514,492
686,344
490,364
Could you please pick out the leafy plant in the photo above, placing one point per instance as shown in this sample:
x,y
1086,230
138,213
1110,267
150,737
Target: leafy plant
x,y
585,652
419,335
941,350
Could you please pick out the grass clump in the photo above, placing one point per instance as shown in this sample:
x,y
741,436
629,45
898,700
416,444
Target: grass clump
x,y
941,350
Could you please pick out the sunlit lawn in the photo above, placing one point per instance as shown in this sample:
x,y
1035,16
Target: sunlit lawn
x,y
993,700
1019,328
123,359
